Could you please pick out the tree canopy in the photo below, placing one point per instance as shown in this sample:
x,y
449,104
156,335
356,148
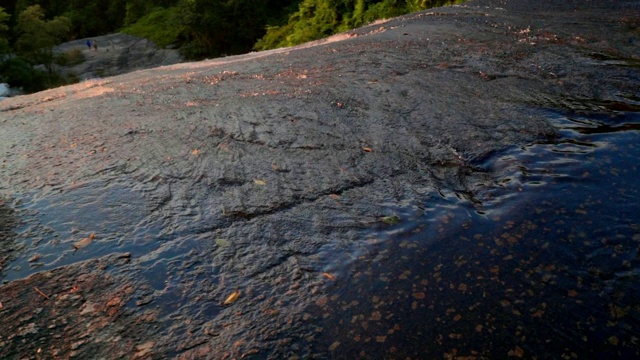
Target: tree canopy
x,y
199,28
36,36
316,19
4,41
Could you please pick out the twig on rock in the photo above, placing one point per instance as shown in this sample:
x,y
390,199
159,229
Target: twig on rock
x,y
41,293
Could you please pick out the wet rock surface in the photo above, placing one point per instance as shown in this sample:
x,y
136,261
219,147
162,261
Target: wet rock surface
x,y
256,205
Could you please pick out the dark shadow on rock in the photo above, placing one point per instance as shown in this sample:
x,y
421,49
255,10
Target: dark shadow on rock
x,y
8,223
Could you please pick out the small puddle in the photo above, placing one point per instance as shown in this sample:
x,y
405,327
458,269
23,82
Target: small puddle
x,y
89,221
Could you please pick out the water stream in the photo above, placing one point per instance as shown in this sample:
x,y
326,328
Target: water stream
x,y
546,265
546,261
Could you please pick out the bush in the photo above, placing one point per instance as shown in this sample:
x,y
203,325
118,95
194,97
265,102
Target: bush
x,y
160,26
70,58
18,73
316,19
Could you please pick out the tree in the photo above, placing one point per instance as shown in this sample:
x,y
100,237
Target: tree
x,y
95,17
217,27
37,37
315,19
4,42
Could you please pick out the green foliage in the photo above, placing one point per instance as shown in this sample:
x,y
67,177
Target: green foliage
x,y
95,17
4,42
316,19
274,37
4,18
201,28
70,58
37,37
135,10
386,9
218,27
162,26
19,73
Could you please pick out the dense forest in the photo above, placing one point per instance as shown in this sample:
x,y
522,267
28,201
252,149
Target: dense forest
x,y
30,29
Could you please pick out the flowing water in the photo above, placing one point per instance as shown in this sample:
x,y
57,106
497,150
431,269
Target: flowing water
x,y
544,263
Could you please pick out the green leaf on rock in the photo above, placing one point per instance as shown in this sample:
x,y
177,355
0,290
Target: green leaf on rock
x,y
391,220
222,242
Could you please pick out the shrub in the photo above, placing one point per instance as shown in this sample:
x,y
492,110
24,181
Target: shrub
x,y
160,26
70,58
18,73
316,19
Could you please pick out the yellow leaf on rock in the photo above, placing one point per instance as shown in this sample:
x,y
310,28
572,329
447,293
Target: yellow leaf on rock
x,y
232,298
259,182
84,242
222,242
328,276
195,152
391,220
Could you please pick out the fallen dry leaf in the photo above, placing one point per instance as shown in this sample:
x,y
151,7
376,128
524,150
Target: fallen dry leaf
x,y
195,152
517,352
419,295
328,276
259,182
116,301
322,301
367,149
250,352
144,350
232,298
84,242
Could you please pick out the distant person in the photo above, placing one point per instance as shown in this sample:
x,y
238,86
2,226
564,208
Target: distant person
x,y
95,45
89,44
